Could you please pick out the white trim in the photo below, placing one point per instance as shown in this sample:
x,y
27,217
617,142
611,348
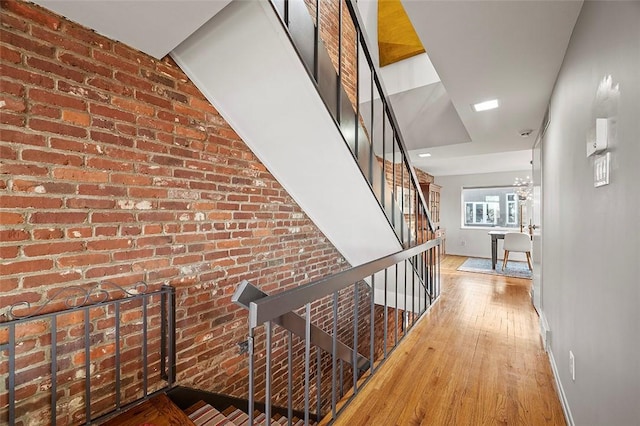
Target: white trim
x,y
544,330
563,398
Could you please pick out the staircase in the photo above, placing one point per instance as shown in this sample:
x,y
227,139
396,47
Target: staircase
x,y
203,414
271,77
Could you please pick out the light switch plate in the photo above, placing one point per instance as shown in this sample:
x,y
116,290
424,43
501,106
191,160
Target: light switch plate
x,y
601,170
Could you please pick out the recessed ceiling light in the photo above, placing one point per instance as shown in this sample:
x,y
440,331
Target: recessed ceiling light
x,y
426,154
486,105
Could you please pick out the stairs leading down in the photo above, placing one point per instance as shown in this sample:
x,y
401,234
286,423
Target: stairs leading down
x,y
203,414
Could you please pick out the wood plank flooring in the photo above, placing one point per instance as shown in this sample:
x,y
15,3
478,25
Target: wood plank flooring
x,y
475,359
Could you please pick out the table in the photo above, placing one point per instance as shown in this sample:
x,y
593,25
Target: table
x,y
495,236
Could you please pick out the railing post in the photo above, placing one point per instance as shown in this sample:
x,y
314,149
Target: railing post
x,y
251,391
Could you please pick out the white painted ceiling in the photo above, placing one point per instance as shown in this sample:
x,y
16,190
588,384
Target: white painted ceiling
x,y
509,50
155,27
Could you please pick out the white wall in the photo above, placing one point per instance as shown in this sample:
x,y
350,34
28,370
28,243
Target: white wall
x,y
591,256
470,242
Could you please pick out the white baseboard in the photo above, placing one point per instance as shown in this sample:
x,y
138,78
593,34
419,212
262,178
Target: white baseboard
x,y
545,332
563,398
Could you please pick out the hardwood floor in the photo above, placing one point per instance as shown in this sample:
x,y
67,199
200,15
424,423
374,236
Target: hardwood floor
x,y
475,359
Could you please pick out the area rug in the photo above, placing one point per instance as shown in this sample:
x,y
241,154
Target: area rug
x,y
483,266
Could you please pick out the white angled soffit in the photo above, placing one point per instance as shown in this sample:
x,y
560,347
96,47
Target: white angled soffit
x,y
151,26
244,63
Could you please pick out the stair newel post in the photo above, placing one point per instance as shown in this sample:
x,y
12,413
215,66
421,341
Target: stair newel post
x,y
307,355
354,362
372,322
395,328
386,315
290,379
251,392
267,330
318,384
334,350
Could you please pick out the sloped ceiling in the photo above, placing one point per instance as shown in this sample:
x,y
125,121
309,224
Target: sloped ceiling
x,y
153,26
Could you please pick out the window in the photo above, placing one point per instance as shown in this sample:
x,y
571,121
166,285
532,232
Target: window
x,y
490,207
512,209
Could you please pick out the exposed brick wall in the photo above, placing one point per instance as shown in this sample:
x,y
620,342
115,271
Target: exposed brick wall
x,y
345,59
114,166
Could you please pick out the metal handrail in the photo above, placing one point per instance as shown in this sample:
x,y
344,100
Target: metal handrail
x,y
281,7
358,22
272,307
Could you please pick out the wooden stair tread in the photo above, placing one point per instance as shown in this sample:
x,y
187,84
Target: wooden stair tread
x,y
206,415
159,411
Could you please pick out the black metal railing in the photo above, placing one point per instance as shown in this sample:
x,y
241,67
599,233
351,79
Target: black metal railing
x,y
363,113
96,350
369,308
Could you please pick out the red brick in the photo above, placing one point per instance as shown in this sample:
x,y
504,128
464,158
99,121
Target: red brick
x,y
7,285
131,179
90,67
80,175
58,100
53,127
12,104
111,139
82,260
54,68
133,106
132,254
10,55
23,169
8,252
52,248
106,271
10,87
54,38
133,81
26,76
9,21
108,244
45,111
75,117
106,231
33,281
27,44
41,156
112,113
82,91
17,120
58,217
88,36
90,203
8,153
47,234
112,217
26,266
71,145
83,232
42,187
154,100
147,192
102,190
7,218
15,201
33,13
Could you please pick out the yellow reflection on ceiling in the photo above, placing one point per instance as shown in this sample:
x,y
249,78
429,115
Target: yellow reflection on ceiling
x,y
397,39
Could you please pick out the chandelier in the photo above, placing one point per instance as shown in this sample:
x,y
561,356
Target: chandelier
x,y
524,188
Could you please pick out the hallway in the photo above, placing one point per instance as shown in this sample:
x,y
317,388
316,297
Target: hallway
x,y
475,359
